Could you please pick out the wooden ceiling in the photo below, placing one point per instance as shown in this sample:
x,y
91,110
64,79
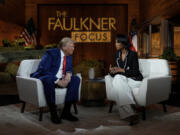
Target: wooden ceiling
x,y
14,11
156,10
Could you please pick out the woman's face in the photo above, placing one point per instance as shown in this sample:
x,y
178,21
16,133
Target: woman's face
x,y
119,46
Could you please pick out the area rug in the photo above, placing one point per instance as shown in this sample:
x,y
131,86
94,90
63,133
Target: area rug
x,y
93,121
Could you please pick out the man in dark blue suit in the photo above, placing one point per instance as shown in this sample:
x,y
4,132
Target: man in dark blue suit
x,y
55,70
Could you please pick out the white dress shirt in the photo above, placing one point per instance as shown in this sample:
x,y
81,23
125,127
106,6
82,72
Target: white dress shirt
x,y
60,71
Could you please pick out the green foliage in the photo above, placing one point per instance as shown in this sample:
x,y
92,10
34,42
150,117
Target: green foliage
x,y
5,77
19,42
7,49
169,54
6,43
16,43
85,65
12,69
29,47
48,46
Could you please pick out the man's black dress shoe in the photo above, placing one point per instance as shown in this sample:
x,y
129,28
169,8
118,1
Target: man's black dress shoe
x,y
69,117
133,120
55,119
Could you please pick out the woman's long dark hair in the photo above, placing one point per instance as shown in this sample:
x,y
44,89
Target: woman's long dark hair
x,y
124,39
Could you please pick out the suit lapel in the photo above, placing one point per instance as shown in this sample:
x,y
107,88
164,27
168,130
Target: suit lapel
x,y
58,58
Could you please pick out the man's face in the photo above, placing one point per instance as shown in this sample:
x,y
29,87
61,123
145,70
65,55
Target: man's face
x,y
69,48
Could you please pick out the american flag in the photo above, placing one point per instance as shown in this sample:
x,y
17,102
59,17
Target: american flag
x,y
29,33
133,35
133,41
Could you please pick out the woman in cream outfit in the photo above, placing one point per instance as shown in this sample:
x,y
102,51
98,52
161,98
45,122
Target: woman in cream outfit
x,y
123,78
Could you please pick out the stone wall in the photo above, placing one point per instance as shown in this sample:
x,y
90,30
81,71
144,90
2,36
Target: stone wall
x,y
13,56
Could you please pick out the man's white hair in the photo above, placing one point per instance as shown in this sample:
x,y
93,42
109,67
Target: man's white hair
x,y
64,42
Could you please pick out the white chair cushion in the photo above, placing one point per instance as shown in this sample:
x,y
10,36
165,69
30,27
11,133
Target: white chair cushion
x,y
144,67
158,67
27,67
60,95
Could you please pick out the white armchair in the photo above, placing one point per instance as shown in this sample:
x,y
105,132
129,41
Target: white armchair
x,y
31,89
156,85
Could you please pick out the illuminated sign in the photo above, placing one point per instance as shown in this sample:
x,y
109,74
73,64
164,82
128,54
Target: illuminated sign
x,y
83,29
91,36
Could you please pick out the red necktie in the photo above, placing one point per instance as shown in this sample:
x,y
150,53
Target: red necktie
x,y
64,66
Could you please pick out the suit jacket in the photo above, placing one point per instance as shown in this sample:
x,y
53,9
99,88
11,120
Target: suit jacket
x,y
50,64
131,65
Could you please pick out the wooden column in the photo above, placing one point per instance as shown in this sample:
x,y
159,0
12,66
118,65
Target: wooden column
x,y
149,45
164,34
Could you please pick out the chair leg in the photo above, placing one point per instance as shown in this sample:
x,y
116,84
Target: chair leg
x,y
143,113
164,106
111,106
75,108
40,114
23,107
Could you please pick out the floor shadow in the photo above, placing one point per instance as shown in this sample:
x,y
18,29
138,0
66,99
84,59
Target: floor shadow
x,y
9,99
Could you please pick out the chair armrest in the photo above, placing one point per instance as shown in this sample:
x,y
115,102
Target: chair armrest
x,y
80,77
30,89
154,90
109,86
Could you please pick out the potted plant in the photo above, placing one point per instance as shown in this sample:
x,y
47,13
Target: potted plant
x,y
20,42
169,55
6,43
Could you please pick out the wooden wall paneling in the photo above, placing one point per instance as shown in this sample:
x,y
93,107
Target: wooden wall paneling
x,y
12,19
177,40
88,51
133,6
9,31
98,51
162,8
13,12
